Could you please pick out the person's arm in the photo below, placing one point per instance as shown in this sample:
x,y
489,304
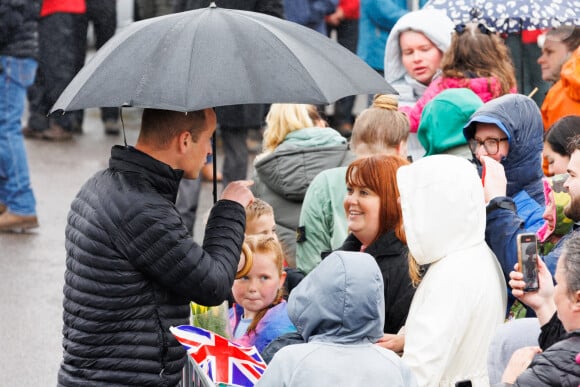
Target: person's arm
x,y
349,8
316,224
156,243
321,8
518,363
551,333
503,224
395,343
541,301
11,15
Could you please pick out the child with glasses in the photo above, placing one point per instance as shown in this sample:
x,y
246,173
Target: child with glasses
x,y
477,59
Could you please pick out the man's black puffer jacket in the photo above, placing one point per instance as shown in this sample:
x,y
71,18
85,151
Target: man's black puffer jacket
x,y
131,270
556,366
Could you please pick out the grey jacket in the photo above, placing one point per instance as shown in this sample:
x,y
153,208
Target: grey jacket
x,y
282,177
339,310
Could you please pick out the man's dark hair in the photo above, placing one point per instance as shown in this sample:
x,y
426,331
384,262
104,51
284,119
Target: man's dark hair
x,y
574,144
561,132
161,126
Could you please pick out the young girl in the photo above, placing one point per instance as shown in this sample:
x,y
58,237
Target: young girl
x,y
259,314
477,59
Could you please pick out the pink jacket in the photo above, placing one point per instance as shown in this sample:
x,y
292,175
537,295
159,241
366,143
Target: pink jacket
x,y
485,88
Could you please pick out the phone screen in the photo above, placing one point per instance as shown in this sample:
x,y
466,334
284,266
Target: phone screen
x,y
528,260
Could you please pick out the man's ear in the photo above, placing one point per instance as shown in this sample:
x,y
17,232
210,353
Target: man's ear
x,y
576,306
183,141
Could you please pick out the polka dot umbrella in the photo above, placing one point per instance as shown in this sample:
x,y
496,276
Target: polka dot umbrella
x,y
512,15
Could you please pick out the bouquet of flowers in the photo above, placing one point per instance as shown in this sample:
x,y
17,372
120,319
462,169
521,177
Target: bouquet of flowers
x,y
211,318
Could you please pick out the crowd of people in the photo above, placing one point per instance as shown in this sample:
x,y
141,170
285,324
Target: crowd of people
x,y
377,249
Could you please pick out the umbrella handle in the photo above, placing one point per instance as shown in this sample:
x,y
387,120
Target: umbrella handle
x,y
214,165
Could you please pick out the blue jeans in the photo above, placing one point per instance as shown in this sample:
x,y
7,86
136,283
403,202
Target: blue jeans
x,y
16,74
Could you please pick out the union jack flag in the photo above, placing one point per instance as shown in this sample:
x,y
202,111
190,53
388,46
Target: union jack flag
x,y
222,360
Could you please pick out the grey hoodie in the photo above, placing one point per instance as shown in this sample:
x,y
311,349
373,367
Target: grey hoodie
x,y
339,310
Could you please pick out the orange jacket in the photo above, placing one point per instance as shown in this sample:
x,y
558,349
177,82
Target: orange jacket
x,y
563,99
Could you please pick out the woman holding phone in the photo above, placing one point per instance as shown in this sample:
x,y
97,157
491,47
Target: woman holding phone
x,y
554,361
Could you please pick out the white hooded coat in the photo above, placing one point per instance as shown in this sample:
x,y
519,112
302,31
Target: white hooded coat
x,y
462,298
339,310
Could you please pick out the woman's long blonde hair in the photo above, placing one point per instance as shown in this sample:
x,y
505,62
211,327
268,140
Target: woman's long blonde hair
x,y
284,118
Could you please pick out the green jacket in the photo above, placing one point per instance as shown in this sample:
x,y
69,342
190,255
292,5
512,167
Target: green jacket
x,y
323,225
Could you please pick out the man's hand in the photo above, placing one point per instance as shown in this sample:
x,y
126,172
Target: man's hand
x,y
494,180
541,301
238,191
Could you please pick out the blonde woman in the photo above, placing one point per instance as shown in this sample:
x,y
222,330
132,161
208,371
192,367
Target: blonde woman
x,y
297,146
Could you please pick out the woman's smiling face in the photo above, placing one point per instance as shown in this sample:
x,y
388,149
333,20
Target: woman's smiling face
x,y
362,206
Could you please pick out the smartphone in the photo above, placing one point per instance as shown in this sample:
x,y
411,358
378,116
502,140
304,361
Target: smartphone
x,y
528,260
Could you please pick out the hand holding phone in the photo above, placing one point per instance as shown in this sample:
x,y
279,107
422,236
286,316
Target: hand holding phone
x,y
528,260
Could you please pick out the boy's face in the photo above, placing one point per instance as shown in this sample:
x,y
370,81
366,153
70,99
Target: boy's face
x,y
262,225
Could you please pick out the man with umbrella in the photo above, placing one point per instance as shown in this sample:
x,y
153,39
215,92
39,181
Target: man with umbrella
x,y
132,266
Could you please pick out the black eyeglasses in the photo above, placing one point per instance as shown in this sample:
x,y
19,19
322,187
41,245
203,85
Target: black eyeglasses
x,y
491,145
460,28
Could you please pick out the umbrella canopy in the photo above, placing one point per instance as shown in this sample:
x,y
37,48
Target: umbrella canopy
x,y
511,15
216,57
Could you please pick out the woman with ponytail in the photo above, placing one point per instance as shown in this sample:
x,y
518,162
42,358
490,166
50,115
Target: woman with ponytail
x,y
380,129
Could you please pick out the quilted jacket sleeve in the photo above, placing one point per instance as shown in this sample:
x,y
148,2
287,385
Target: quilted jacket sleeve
x,y
157,244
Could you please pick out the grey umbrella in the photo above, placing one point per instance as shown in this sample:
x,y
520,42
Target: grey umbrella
x,y
216,57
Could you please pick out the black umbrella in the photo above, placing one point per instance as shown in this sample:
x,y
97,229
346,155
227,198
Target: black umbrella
x,y
218,57
215,57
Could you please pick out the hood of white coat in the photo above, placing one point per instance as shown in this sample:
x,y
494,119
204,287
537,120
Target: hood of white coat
x,y
443,206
